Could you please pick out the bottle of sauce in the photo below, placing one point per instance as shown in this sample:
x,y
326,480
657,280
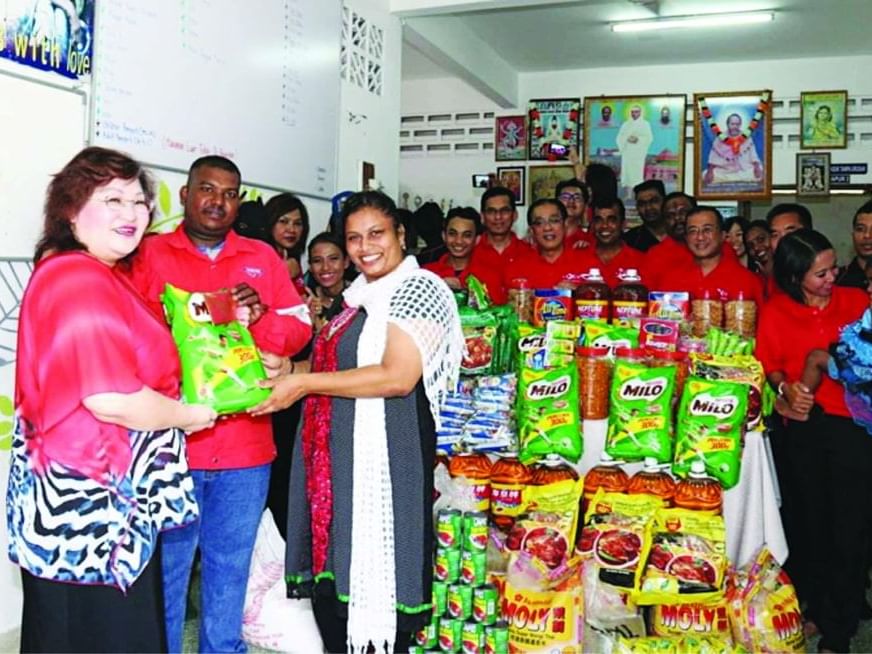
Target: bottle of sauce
x,y
652,480
607,474
474,470
699,491
592,297
629,300
509,478
551,470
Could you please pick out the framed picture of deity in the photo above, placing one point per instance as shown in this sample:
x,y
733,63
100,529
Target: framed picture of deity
x,y
511,138
732,157
823,119
812,174
514,179
553,128
544,180
639,137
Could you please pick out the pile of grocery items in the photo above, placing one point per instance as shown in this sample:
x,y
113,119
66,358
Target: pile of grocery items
x,y
630,556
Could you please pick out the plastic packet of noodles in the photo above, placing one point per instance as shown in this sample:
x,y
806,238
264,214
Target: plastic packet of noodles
x,y
221,366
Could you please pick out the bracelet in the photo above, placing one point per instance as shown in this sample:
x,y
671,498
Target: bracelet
x,y
293,367
780,389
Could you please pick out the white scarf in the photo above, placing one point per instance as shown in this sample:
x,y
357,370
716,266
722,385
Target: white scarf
x,y
422,305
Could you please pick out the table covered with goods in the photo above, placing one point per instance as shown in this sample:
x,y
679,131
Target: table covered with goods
x,y
604,482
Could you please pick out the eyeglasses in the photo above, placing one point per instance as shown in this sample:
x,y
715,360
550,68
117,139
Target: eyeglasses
x,y
505,212
551,221
706,231
115,205
567,197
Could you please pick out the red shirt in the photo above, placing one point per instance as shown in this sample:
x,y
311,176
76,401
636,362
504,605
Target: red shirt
x,y
625,259
579,235
486,254
84,330
237,441
670,255
727,281
540,273
486,276
788,331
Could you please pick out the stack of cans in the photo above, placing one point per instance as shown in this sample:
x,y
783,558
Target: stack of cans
x,y
465,606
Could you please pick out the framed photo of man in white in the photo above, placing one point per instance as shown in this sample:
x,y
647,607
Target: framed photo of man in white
x,y
732,152
639,137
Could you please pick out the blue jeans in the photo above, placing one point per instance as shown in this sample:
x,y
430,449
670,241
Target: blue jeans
x,y
231,504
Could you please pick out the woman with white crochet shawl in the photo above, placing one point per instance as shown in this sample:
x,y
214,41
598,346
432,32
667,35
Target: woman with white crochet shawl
x,y
360,516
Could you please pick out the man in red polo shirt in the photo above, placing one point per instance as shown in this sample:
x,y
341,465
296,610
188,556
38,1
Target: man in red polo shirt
x,y
230,463
551,264
712,272
672,251
573,195
460,228
610,254
499,245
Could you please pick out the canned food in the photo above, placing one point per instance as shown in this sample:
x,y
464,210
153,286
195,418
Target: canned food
x,y
450,635
472,638
460,601
496,638
475,531
449,528
485,600
447,566
428,637
440,598
473,568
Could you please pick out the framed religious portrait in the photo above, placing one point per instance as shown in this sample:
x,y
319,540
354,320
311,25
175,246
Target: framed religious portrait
x,y
511,138
812,173
732,157
544,180
823,119
514,179
639,137
553,128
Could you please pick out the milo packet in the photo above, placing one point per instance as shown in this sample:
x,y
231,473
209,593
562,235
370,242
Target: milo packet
x,y
530,347
640,418
711,419
598,333
220,363
547,412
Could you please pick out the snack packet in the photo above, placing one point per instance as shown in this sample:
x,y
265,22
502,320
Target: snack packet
x,y
531,351
640,418
480,332
711,419
600,334
221,366
685,558
738,368
691,619
675,645
547,413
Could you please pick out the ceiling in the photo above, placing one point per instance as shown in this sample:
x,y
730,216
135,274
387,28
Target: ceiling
x,y
570,35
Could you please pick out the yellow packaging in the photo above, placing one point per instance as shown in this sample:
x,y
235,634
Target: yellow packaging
x,y
675,645
691,619
685,558
551,621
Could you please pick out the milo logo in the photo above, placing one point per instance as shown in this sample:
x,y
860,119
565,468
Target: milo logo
x,y
542,389
531,342
637,389
197,308
705,404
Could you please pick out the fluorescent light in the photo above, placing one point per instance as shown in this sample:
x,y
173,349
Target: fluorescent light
x,y
705,20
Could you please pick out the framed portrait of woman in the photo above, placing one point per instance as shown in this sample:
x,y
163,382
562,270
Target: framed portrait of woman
x,y
823,119
733,145
553,128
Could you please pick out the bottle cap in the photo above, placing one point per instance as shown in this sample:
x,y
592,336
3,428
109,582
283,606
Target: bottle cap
x,y
697,468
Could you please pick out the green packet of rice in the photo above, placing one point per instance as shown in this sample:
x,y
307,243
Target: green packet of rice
x,y
221,366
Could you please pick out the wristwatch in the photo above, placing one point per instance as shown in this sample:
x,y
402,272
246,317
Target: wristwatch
x,y
781,388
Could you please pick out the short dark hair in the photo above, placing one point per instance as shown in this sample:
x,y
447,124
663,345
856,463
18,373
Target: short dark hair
x,y
757,224
215,161
866,208
428,219
375,200
609,203
543,201
794,257
495,192
680,194
705,208
326,237
650,185
251,221
601,180
467,213
572,183
790,207
279,205
72,187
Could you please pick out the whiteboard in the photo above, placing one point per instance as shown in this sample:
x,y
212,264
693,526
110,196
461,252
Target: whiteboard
x,y
41,128
257,82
